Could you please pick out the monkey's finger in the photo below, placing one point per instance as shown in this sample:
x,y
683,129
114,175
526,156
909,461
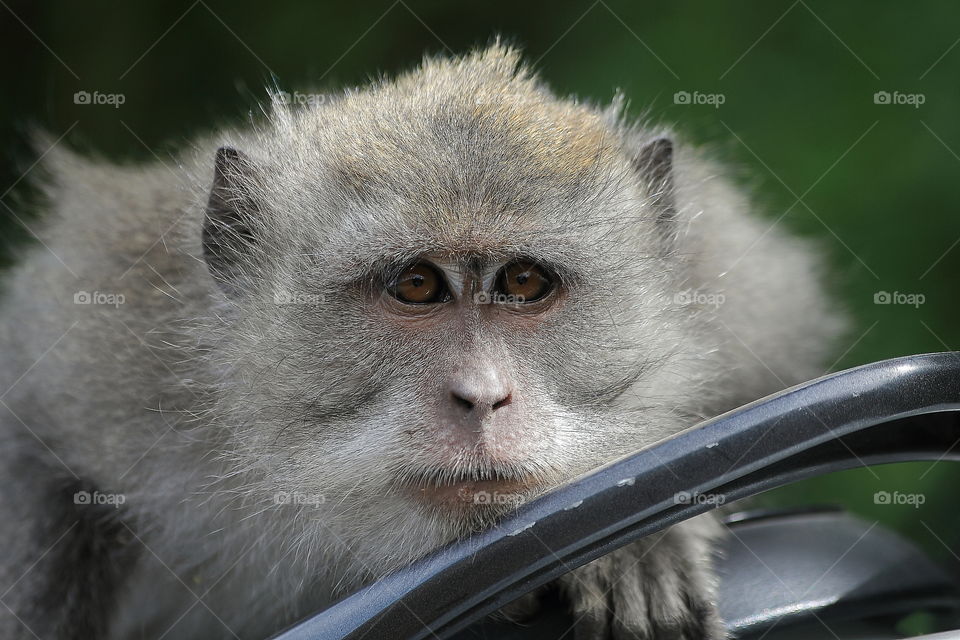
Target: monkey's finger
x,y
631,615
589,598
593,624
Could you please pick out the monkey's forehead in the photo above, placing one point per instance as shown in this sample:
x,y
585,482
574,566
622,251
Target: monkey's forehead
x,y
488,101
463,146
472,180
472,156
472,243
480,124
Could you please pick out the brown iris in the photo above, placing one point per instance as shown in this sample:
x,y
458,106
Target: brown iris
x,y
419,284
525,281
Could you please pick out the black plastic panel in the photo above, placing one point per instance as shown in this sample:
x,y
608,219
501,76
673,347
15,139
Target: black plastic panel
x,y
878,413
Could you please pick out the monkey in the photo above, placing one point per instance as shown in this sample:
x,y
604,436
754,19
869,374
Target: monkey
x,y
314,348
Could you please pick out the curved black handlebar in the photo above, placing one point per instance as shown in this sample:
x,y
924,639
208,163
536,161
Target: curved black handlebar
x,y
891,411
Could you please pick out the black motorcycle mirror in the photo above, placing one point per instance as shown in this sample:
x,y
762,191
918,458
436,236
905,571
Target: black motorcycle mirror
x,y
897,410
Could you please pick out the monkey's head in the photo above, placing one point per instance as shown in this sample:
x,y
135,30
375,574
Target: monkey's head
x,y
442,295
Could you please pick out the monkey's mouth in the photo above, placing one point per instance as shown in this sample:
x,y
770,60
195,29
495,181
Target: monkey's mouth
x,y
474,488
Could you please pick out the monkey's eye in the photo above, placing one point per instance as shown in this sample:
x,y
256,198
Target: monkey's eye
x,y
420,283
525,281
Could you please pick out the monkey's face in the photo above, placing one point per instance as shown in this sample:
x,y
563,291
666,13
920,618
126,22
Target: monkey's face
x,y
450,375
470,328
481,431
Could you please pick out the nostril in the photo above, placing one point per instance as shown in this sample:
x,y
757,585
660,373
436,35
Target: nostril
x,y
461,401
503,402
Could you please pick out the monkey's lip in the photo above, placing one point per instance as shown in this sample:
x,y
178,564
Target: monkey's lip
x,y
464,492
478,493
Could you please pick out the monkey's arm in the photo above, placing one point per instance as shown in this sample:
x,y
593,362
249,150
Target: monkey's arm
x,y
659,587
64,556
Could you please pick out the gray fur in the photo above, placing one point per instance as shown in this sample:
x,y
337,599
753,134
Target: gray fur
x,y
200,405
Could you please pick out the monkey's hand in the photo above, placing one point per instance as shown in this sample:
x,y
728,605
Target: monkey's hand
x,y
659,588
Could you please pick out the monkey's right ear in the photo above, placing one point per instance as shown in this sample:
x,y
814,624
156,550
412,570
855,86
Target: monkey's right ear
x,y
654,163
228,227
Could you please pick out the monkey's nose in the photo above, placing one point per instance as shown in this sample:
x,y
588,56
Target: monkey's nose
x,y
481,392
472,402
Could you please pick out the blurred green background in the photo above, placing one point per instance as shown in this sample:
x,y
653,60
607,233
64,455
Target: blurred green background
x,y
873,182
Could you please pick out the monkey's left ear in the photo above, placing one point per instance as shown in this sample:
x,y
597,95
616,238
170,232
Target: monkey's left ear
x,y
654,163
229,239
